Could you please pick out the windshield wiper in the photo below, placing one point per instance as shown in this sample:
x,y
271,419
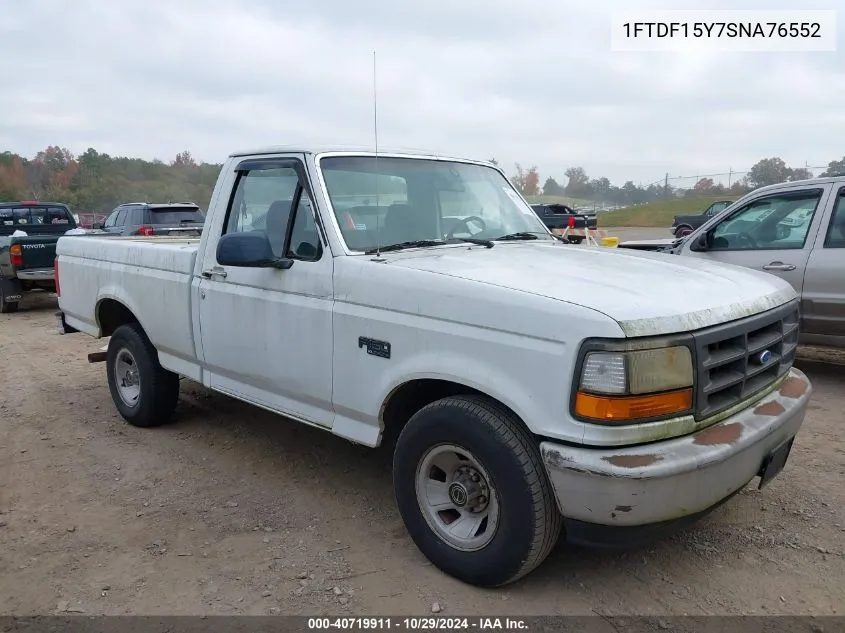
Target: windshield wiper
x,y
402,245
517,236
427,243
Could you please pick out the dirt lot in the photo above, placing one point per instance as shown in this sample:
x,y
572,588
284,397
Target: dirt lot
x,y
232,510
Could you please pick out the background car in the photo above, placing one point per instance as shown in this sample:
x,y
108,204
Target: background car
x,y
144,218
557,216
685,224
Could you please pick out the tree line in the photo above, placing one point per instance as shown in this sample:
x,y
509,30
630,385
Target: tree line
x,y
97,182
767,171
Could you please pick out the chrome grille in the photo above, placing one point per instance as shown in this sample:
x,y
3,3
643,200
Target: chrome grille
x,y
730,366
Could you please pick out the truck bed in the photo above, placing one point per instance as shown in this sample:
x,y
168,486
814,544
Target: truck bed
x,y
149,275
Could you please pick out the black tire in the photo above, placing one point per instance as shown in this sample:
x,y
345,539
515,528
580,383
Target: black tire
x,y
575,240
683,231
529,521
159,388
7,307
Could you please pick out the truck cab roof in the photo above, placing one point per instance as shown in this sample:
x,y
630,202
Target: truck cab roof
x,y
350,149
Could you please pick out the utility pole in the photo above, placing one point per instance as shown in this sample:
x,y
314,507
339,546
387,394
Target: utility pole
x,y
666,186
730,176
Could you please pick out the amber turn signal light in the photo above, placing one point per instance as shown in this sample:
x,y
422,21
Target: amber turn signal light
x,y
623,409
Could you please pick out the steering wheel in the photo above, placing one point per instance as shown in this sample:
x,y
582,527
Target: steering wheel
x,y
465,222
745,237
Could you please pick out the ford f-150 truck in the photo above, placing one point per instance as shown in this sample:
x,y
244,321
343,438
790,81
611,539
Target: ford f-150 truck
x,y
632,394
29,231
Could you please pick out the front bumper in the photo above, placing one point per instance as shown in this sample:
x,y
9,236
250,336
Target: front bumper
x,y
632,490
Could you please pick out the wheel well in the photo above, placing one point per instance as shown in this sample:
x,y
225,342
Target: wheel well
x,y
112,314
412,396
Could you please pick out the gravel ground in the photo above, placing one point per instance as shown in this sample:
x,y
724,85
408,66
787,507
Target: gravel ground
x,y
231,510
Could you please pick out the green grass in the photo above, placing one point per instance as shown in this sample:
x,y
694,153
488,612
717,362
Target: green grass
x,y
657,214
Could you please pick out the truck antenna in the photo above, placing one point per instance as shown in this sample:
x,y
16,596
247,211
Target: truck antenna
x,y
375,135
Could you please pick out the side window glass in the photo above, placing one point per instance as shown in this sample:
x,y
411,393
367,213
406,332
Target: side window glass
x,y
835,237
57,215
776,222
264,200
110,220
304,238
121,217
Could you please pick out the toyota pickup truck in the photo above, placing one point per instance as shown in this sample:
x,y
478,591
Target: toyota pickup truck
x,y
29,231
623,399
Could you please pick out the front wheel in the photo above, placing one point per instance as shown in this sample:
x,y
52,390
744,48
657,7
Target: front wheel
x,y
683,231
472,491
144,392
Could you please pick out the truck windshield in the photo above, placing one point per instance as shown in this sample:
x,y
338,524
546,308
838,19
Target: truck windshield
x,y
395,200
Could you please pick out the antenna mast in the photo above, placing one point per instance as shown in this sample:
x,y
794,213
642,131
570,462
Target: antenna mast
x,y
375,136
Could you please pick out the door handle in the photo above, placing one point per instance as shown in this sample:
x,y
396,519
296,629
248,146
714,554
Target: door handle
x,y
208,274
778,266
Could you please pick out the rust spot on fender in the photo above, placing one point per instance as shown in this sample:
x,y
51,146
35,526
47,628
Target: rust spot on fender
x,y
632,461
770,408
727,434
793,388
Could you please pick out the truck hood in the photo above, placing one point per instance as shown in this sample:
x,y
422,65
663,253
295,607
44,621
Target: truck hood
x,y
646,293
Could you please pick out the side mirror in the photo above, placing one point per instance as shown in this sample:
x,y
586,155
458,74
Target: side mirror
x,y
98,226
700,243
249,250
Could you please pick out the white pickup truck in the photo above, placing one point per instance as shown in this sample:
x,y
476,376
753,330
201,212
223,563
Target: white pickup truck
x,y
530,385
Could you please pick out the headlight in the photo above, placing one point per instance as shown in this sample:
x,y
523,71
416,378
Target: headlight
x,y
625,386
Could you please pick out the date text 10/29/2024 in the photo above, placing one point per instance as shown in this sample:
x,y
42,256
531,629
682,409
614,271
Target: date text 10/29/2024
x,y
418,624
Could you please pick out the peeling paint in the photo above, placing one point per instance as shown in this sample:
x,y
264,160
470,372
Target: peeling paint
x,y
772,407
632,461
722,434
692,321
556,460
793,388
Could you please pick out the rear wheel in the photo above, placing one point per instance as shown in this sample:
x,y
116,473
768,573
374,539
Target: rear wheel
x,y
683,231
7,307
143,391
472,491
575,239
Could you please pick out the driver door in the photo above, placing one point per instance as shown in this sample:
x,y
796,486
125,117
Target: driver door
x,y
773,233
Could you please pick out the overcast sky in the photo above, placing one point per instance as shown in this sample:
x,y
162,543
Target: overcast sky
x,y
532,81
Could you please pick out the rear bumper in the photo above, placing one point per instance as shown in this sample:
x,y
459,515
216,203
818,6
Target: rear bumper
x,y
628,495
35,274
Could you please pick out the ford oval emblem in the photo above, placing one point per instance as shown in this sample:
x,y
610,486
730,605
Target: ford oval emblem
x,y
764,357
